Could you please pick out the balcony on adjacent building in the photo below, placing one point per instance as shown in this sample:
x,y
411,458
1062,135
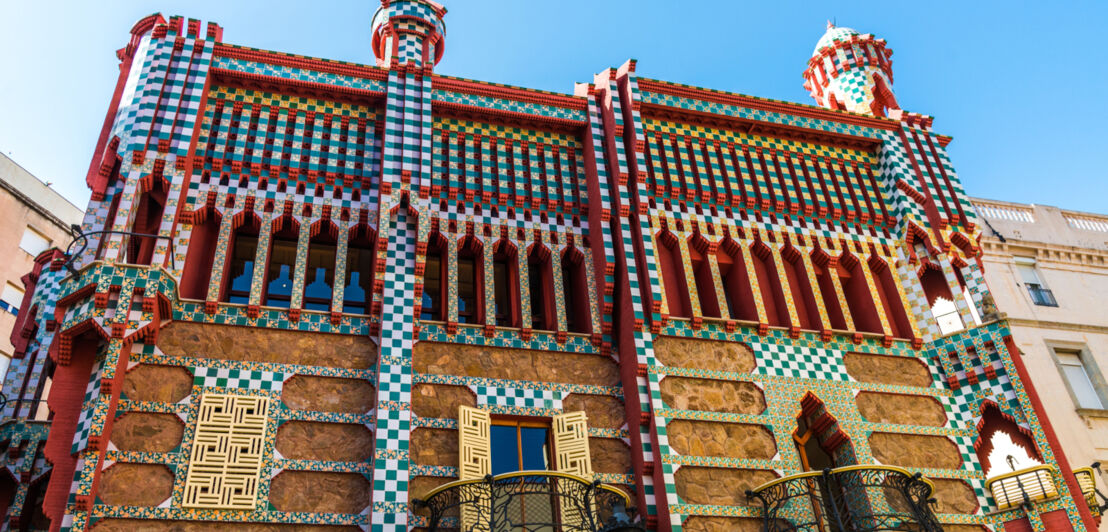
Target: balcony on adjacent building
x,y
848,499
535,501
1040,296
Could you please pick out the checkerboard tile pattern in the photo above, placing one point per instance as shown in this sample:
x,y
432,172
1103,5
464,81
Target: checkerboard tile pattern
x,y
238,378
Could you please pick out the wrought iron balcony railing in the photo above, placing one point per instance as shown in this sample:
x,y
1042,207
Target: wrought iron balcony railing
x,y
1041,296
1024,486
848,499
1086,478
528,501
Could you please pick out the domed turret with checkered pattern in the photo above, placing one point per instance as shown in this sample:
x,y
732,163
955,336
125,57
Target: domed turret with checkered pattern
x,y
409,32
852,72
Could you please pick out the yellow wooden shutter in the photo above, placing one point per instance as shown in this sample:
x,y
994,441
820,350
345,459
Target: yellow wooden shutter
x,y
474,447
571,443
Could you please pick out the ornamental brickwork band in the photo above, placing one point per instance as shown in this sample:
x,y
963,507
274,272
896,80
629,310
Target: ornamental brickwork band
x,y
316,295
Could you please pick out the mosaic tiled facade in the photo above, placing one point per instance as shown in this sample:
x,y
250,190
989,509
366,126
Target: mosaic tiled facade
x,y
391,260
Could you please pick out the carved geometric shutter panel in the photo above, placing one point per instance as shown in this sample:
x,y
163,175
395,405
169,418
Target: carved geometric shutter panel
x,y
474,462
571,443
226,452
474,448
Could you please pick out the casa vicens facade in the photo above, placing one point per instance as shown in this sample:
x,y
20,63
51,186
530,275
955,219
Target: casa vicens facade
x,y
315,295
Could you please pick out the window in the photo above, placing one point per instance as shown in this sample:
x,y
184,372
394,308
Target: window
x,y
540,281
282,260
11,298
1040,294
467,290
431,307
240,272
520,446
358,294
320,276
1072,365
33,242
575,292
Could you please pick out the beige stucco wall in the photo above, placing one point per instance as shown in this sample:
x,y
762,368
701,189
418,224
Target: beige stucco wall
x,y
1071,256
26,201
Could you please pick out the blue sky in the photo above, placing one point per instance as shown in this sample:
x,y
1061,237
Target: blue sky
x,y
1022,87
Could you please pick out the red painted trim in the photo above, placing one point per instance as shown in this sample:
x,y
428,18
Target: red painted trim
x,y
1051,438
510,93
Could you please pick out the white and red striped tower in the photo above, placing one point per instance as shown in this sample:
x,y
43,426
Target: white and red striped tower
x,y
852,72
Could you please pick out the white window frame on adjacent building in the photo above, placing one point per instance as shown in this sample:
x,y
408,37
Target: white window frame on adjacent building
x,y
34,242
11,298
1083,379
1037,290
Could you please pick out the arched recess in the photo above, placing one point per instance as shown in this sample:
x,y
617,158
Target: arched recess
x,y
8,487
203,241
820,441
804,297
934,284
773,296
883,97
858,297
994,422
147,221
281,262
890,297
700,251
434,279
505,276
540,288
471,281
575,291
673,275
319,275
825,268
242,251
737,289
361,254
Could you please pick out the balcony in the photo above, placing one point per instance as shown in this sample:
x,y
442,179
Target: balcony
x,y
1022,487
533,501
1040,296
848,499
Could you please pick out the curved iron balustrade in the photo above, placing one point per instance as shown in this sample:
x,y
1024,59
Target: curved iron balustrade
x,y
848,499
79,236
529,501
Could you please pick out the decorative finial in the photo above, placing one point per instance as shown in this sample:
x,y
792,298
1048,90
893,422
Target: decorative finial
x,y
830,24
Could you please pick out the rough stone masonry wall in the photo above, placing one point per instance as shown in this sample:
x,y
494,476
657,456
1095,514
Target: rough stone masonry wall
x,y
465,368
290,491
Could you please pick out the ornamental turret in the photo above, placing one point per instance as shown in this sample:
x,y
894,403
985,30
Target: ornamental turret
x,y
409,31
852,72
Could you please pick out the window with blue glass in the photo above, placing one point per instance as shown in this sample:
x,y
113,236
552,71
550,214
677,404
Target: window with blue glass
x,y
240,270
282,263
320,277
520,446
358,292
468,269
431,307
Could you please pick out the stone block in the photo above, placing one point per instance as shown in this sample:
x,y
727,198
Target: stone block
x,y
704,354
901,409
729,440
884,369
719,486
135,485
603,411
915,451
328,394
954,497
163,384
257,344
147,432
609,455
321,492
438,447
514,364
703,523
712,395
335,442
440,400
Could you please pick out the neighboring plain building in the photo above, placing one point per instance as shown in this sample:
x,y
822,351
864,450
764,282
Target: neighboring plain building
x,y
1047,270
336,296
33,218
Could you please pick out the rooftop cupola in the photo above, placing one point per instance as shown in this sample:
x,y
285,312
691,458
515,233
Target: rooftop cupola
x,y
852,72
409,32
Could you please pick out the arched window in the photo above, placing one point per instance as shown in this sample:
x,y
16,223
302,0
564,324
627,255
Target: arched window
x,y
319,280
940,299
737,290
999,437
540,287
858,297
471,293
361,252
890,298
824,270
773,296
673,275
505,284
702,275
434,277
804,297
201,255
243,251
148,220
281,263
575,291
